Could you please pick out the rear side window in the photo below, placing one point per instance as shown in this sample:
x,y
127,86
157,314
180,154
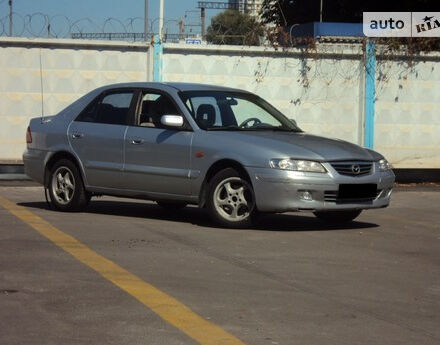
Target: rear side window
x,y
112,109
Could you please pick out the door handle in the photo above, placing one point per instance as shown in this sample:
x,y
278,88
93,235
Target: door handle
x,y
77,135
137,141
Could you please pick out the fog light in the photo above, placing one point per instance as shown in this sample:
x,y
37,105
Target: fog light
x,y
305,195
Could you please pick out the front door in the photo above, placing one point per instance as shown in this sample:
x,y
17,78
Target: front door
x,y
157,160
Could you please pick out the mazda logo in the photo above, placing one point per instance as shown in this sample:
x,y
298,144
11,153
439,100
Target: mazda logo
x,y
356,169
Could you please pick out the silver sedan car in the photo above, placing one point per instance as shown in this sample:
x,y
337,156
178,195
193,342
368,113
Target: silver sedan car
x,y
223,149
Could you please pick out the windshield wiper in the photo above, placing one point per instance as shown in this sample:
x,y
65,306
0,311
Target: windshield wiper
x,y
284,129
270,128
224,128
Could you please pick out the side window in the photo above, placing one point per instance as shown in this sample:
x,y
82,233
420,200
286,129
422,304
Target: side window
x,y
207,112
112,109
153,106
89,114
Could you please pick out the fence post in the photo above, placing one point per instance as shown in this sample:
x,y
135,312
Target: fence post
x,y
370,93
157,59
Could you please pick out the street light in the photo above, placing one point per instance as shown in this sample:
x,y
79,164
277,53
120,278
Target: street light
x,y
146,20
10,18
161,19
320,12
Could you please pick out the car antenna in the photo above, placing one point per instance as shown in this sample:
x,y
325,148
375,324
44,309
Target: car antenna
x,y
41,89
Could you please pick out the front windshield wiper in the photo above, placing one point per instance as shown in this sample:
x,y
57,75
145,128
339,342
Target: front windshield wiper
x,y
271,128
285,129
251,129
225,128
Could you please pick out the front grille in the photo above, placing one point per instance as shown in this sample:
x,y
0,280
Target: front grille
x,y
352,193
353,168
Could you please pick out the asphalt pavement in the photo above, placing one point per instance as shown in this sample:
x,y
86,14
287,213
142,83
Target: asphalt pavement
x,y
94,277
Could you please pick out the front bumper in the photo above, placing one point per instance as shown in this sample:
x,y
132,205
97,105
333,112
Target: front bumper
x,y
281,191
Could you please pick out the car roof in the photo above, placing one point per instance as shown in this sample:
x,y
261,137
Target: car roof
x,y
175,85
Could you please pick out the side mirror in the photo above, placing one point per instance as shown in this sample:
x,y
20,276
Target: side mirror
x,y
172,120
294,122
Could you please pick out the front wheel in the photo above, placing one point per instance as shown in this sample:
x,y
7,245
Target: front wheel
x,y
338,216
231,200
66,189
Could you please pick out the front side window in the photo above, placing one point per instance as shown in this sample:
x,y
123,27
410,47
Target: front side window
x,y
219,110
112,109
153,106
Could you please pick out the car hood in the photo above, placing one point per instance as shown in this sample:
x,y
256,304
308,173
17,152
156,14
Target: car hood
x,y
307,146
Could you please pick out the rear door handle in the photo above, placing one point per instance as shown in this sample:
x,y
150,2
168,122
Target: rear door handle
x,y
137,141
77,135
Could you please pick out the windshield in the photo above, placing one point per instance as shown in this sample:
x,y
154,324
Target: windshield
x,y
219,110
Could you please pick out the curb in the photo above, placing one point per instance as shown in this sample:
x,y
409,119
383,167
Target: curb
x,y
14,177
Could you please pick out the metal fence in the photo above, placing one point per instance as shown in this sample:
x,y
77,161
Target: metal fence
x,y
59,26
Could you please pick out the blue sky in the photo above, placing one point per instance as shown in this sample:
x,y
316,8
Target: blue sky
x,y
99,10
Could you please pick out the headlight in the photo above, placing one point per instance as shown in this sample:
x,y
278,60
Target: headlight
x,y
384,165
297,165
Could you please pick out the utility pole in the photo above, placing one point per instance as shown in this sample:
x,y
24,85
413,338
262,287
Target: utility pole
x,y
320,12
146,20
202,17
161,20
10,18
181,29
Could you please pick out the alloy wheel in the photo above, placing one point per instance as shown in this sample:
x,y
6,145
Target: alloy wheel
x,y
233,199
63,185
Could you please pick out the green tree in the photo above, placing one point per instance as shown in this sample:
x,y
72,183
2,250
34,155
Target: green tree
x,y
233,27
280,14
288,12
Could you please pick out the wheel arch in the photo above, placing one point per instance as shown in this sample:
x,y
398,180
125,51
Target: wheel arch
x,y
214,169
55,157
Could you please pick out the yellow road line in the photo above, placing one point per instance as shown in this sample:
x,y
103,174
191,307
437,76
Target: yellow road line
x,y
167,307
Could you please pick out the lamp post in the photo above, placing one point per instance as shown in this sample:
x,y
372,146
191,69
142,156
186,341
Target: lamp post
x,y
320,12
10,18
146,20
202,17
161,19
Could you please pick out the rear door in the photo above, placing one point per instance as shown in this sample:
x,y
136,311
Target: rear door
x,y
97,137
157,159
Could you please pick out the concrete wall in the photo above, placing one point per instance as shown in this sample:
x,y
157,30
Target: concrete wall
x,y
323,93
322,89
407,122
70,69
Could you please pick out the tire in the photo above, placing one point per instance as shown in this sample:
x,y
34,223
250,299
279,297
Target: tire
x,y
172,205
231,199
66,188
338,217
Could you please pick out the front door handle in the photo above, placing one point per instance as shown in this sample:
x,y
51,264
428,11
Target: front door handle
x,y
137,141
77,135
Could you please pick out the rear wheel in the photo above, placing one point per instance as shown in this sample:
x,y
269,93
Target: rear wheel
x,y
66,189
172,205
231,200
338,216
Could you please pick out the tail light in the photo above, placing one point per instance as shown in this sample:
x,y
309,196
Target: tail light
x,y
28,135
